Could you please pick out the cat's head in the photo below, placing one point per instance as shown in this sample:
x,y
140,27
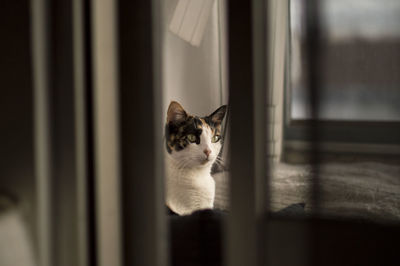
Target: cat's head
x,y
193,141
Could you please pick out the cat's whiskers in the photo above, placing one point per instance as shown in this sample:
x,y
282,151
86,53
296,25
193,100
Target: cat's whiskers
x,y
219,160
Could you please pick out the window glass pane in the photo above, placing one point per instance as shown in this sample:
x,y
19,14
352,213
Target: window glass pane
x,y
360,73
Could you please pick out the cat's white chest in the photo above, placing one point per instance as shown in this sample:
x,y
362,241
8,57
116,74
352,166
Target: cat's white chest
x,y
189,190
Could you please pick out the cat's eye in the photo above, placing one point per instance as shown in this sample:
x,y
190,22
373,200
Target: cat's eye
x,y
191,137
215,138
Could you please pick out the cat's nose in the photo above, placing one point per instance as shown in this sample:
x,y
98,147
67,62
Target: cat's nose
x,y
207,152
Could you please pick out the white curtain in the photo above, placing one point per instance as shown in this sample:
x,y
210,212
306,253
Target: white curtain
x,y
278,25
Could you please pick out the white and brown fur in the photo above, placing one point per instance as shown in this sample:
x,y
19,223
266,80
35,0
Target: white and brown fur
x,y
189,185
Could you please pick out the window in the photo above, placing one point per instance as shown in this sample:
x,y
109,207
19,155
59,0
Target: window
x,y
359,77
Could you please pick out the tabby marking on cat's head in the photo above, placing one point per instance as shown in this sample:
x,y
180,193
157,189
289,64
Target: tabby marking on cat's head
x,y
191,140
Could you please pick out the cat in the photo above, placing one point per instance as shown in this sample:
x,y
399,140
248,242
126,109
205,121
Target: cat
x,y
192,146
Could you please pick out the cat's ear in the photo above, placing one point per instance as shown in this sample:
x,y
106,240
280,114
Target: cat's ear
x,y
218,115
176,113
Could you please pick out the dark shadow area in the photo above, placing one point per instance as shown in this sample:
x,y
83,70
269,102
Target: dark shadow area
x,y
197,239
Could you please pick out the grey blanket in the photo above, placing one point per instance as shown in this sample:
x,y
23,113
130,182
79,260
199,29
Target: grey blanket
x,y
368,190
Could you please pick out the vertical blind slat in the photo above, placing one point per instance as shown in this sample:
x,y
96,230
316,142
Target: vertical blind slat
x,y
313,54
313,59
247,45
40,61
81,126
144,228
106,133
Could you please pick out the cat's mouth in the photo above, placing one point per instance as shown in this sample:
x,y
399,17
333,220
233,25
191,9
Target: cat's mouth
x,y
205,161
